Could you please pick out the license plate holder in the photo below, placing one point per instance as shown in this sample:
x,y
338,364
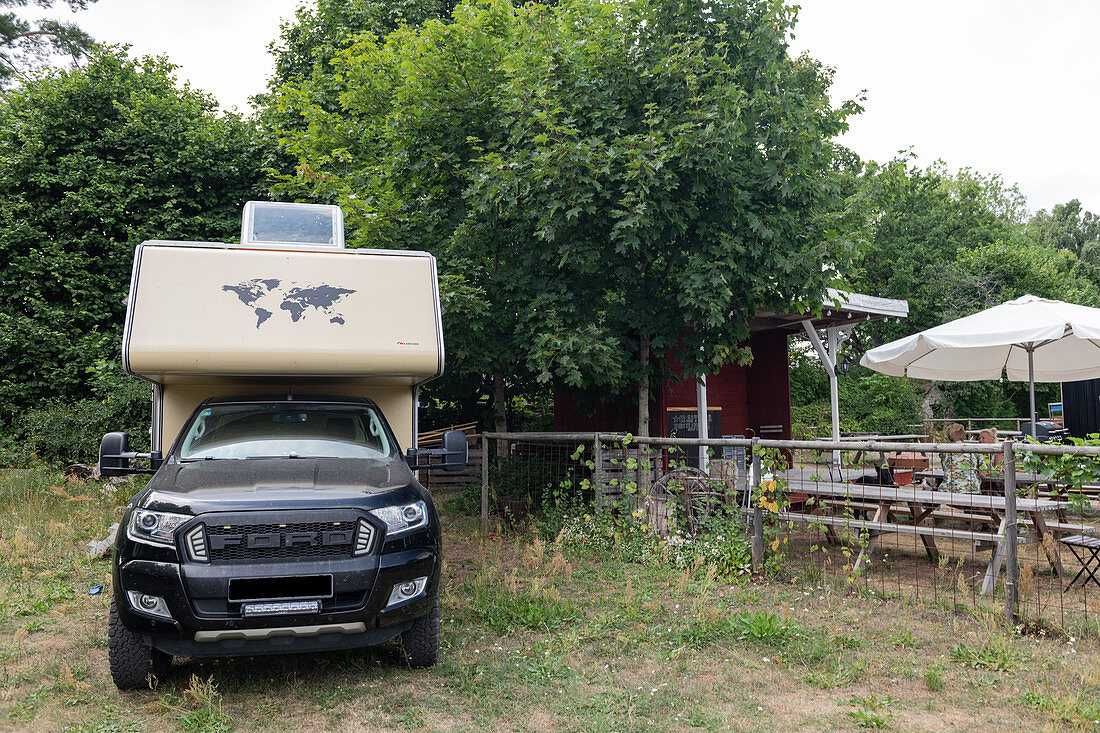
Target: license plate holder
x,y
283,588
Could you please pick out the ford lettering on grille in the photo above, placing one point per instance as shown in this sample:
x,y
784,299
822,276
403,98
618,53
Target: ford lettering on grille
x,y
287,539
258,542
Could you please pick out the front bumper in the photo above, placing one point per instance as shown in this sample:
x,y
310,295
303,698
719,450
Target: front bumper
x,y
205,623
280,640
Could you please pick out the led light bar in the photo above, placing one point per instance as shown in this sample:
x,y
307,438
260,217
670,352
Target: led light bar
x,y
278,608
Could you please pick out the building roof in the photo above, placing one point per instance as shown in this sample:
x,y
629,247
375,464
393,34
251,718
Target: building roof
x,y
840,309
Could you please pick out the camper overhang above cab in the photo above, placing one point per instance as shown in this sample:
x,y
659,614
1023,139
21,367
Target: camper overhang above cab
x,y
287,310
205,309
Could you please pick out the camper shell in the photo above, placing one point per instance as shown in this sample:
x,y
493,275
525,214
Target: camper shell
x,y
284,513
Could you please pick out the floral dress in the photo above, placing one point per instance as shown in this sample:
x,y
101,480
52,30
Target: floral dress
x,y
960,473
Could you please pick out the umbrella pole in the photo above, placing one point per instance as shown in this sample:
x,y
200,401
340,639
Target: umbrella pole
x,y
834,388
1031,381
704,425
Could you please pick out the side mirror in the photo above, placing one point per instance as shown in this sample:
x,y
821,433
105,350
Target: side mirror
x,y
453,456
456,450
113,460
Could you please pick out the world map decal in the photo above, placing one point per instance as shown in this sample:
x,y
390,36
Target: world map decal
x,y
264,296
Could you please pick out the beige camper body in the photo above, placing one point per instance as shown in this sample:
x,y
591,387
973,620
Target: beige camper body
x,y
213,320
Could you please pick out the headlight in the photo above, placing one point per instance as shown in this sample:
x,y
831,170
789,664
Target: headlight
x,y
403,518
154,528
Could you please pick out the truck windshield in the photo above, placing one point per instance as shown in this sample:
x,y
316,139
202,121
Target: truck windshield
x,y
286,430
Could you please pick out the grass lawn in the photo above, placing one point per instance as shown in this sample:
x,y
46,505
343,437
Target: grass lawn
x,y
536,637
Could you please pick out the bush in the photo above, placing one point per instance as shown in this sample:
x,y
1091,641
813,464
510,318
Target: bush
x,y
63,431
720,544
603,533
522,475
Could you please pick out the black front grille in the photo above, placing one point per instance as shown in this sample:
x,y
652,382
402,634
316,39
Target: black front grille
x,y
241,543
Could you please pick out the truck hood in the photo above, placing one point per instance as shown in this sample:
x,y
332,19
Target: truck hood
x,y
285,483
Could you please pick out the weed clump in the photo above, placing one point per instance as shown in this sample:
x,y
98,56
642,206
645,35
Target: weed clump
x,y
507,603
998,654
871,712
764,627
719,543
199,708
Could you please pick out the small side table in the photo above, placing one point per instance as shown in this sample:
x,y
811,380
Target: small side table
x,y
1089,557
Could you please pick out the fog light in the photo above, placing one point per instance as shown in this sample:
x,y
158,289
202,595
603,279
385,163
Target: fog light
x,y
407,591
148,604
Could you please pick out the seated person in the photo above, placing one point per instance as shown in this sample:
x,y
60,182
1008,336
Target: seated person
x,y
989,464
960,470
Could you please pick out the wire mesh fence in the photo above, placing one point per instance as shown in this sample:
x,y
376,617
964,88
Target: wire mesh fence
x,y
1002,528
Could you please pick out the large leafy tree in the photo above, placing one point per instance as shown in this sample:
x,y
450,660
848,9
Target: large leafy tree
x,y
421,114
92,162
26,44
613,180
951,244
674,152
307,45
919,221
1067,226
986,276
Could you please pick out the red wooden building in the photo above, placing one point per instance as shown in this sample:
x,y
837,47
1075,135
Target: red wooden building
x,y
751,401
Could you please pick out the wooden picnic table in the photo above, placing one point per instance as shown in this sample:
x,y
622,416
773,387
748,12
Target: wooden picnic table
x,y
923,507
1023,478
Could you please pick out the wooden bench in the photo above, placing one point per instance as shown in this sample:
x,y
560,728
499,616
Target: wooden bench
x,y
964,517
880,527
1076,528
902,510
923,503
861,506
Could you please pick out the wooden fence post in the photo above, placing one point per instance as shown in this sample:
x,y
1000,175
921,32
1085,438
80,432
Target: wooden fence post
x,y
484,485
597,460
644,466
757,512
1012,567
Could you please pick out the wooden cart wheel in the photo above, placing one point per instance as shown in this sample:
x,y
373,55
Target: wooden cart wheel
x,y
689,494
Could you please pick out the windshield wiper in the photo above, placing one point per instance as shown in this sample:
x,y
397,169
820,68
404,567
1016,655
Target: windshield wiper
x,y
205,458
291,455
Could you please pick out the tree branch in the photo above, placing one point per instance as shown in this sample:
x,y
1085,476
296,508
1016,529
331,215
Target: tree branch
x,y
28,34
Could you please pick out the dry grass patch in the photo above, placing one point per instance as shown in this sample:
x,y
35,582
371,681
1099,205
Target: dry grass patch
x,y
538,638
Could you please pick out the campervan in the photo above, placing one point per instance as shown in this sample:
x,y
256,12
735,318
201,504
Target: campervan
x,y
282,514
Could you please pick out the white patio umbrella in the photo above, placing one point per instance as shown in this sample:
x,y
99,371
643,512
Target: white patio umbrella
x,y
1030,339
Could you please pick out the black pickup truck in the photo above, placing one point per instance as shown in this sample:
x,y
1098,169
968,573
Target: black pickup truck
x,y
275,525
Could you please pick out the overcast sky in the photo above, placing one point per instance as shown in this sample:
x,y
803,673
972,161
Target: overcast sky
x,y
1002,86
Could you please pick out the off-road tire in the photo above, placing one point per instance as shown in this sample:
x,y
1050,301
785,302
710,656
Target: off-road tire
x,y
419,646
134,664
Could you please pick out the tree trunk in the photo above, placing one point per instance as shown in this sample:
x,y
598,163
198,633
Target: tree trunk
x,y
643,387
643,416
500,411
